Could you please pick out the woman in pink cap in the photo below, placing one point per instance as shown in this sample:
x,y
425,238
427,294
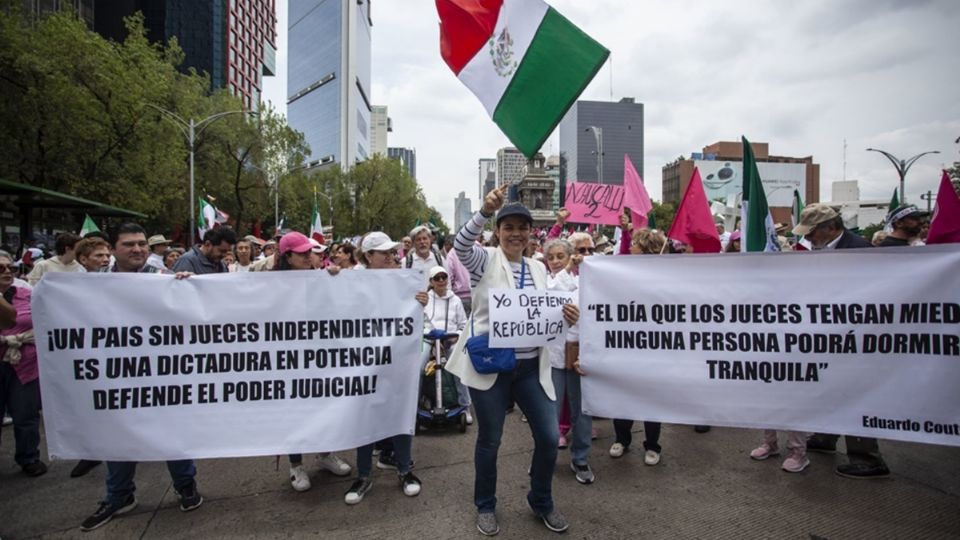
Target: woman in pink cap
x,y
296,253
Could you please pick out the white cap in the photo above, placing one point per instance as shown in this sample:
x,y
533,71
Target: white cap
x,y
317,246
378,241
437,270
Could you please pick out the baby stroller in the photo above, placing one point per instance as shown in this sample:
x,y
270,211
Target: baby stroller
x,y
438,405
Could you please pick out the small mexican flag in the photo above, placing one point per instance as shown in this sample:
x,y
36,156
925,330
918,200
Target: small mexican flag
x,y
88,226
525,62
797,208
316,227
758,232
207,218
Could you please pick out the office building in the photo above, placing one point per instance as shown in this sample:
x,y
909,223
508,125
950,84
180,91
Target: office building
x,y
615,128
536,190
721,170
510,164
406,156
486,176
328,78
233,41
462,211
552,169
380,125
856,213
84,9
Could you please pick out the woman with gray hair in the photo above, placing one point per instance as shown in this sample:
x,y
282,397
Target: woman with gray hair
x,y
19,374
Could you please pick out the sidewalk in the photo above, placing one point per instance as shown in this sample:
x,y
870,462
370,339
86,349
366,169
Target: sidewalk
x,y
705,487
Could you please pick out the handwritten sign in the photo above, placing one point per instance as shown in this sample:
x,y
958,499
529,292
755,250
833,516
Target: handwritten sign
x,y
527,318
594,203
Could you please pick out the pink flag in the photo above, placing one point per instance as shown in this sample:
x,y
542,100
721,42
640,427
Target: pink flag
x,y
694,224
945,225
635,195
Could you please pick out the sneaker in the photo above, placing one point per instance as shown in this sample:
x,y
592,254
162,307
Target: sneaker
x,y
83,467
336,466
357,490
796,461
487,524
469,419
553,520
7,420
190,498
618,449
106,511
651,458
562,443
818,444
863,471
299,478
764,451
387,462
411,484
584,473
37,468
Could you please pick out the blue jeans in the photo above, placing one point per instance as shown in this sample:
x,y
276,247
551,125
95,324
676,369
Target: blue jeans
x,y
523,386
402,451
566,382
22,402
120,478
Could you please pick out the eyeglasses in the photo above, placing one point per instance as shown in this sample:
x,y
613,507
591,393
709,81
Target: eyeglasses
x,y
439,277
391,253
4,268
586,250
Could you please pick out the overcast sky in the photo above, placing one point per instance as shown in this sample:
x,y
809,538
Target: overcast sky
x,y
801,76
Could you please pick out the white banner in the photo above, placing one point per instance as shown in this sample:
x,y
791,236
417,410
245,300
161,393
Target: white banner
x,y
860,342
146,367
526,317
724,178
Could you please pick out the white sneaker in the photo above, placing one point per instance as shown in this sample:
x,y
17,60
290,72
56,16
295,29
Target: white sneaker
x,y
469,419
651,458
332,463
617,450
299,479
7,420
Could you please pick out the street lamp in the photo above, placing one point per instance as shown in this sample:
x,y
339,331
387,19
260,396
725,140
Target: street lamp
x,y
902,166
191,130
598,137
274,180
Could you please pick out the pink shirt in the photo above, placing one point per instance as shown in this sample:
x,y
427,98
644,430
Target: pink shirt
x,y
27,370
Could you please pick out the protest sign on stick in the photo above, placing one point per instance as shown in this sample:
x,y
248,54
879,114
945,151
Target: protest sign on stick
x,y
146,367
527,318
860,342
594,203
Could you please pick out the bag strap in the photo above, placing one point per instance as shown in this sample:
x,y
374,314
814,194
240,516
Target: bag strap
x,y
523,273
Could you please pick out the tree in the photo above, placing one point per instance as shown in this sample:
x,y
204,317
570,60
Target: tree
x,y
663,214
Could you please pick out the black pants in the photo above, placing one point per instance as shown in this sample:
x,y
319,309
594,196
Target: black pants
x,y
651,431
859,449
22,402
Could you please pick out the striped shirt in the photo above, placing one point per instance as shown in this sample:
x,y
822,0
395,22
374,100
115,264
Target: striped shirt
x,y
475,259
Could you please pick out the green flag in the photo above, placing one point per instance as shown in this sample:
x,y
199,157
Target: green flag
x,y
797,208
651,220
758,232
88,226
894,201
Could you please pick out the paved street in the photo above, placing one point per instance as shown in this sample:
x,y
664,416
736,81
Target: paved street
x,y
705,487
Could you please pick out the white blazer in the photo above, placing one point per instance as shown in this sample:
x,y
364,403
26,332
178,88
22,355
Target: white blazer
x,y
499,275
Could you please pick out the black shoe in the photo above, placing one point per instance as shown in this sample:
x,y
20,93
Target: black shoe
x,y
386,461
863,471
190,498
823,446
37,468
83,467
106,512
701,429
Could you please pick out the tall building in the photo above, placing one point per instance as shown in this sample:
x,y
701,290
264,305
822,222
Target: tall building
x,y
234,42
380,125
510,164
721,170
406,156
616,127
462,211
328,78
486,176
84,9
535,191
552,169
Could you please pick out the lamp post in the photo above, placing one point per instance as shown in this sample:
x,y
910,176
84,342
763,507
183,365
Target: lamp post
x,y
192,129
902,166
598,137
274,180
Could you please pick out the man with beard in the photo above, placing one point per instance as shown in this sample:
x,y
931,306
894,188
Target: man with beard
x,y
906,223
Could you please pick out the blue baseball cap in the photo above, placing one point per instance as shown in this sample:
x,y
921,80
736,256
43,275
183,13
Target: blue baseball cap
x,y
514,209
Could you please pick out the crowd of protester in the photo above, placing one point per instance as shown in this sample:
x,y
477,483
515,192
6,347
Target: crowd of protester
x,y
457,273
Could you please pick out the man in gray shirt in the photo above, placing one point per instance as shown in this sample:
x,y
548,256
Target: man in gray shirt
x,y
207,258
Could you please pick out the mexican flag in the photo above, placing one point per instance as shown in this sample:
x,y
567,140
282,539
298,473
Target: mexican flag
x,y
207,218
88,226
316,227
797,208
756,223
894,204
525,62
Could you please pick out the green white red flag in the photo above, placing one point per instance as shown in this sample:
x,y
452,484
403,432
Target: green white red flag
x,y
756,223
88,226
525,62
